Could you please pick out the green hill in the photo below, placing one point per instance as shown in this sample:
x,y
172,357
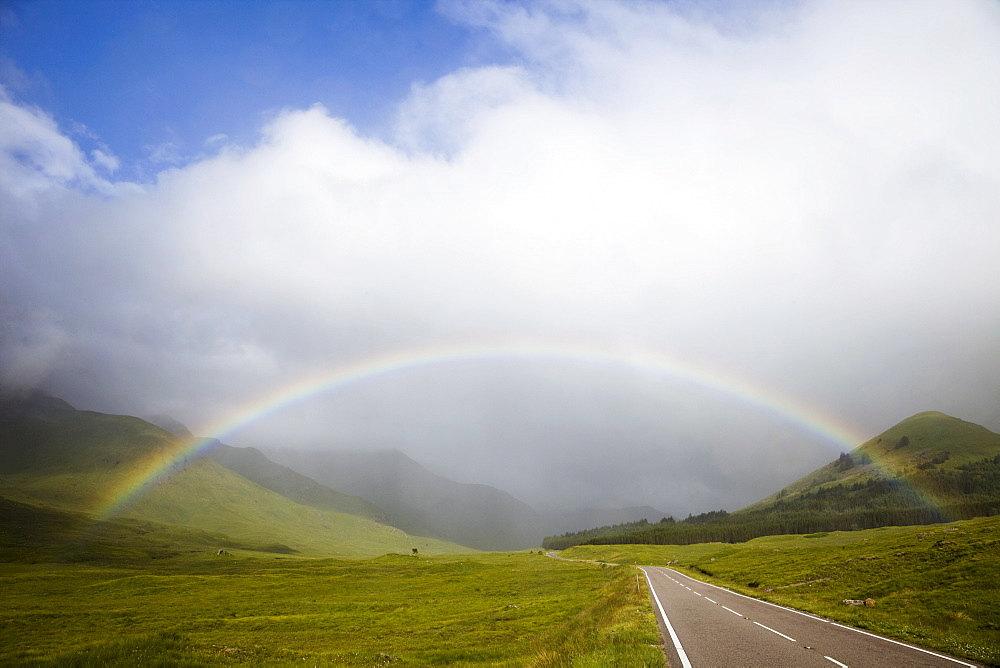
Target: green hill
x,y
908,452
68,460
928,468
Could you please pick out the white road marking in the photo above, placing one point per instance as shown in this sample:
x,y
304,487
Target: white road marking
x,y
842,665
710,600
903,644
759,600
732,611
775,632
670,629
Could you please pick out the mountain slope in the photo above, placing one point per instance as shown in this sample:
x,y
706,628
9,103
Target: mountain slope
x,y
253,465
75,460
33,534
421,502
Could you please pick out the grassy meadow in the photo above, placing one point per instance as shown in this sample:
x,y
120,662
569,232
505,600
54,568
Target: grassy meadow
x,y
481,609
937,586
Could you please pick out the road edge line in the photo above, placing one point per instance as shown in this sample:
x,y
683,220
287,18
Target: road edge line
x,y
904,644
666,622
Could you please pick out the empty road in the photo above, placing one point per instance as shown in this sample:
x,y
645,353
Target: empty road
x,y
704,625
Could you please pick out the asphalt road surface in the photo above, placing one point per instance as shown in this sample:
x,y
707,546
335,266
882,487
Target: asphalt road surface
x,y
704,625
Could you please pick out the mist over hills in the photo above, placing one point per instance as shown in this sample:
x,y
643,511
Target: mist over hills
x,y
422,502
930,467
253,465
56,456
911,453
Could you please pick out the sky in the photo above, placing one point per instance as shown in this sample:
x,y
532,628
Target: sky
x,y
740,238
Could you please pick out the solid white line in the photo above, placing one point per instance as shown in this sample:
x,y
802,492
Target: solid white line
x,y
773,631
666,622
732,611
903,644
842,665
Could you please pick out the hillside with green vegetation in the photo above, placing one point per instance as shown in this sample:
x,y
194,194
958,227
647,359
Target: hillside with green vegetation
x,y
928,450
928,468
254,466
32,534
161,595
933,585
80,461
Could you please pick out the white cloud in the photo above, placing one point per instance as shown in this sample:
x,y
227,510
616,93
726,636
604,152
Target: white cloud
x,y
806,196
164,153
107,161
35,155
38,160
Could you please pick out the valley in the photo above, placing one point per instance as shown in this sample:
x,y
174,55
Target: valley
x,y
231,557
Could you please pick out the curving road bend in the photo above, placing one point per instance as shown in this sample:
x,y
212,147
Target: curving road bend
x,y
705,625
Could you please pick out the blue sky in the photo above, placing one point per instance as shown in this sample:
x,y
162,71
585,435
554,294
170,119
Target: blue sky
x,y
201,203
152,81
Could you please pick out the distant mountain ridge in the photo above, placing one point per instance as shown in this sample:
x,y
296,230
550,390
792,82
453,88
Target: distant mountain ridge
x,y
422,502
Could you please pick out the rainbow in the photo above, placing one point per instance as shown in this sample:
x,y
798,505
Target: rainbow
x,y
394,362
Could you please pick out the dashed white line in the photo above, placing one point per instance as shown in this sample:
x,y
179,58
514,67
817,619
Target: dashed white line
x,y
759,600
775,632
842,665
731,610
709,600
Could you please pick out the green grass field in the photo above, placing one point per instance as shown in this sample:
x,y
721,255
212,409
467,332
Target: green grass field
x,y
493,609
937,586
